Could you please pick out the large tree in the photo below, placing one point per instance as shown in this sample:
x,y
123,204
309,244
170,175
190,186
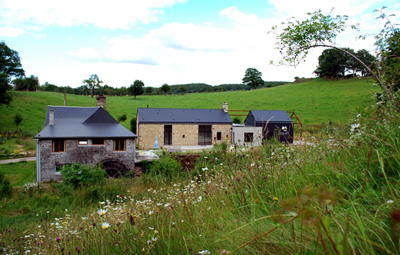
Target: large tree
x,y
252,78
165,88
149,90
92,83
319,30
10,66
334,63
136,88
30,83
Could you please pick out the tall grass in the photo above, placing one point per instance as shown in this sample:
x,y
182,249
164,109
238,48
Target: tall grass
x,y
338,195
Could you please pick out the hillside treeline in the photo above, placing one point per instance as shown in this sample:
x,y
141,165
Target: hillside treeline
x,y
175,89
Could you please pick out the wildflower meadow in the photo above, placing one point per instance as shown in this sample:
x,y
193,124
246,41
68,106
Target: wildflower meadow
x,y
336,193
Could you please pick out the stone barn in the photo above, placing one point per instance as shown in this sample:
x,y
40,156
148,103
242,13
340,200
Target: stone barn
x,y
84,135
183,127
273,123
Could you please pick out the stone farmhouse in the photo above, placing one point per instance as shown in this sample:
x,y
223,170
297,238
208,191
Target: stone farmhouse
x,y
182,127
85,135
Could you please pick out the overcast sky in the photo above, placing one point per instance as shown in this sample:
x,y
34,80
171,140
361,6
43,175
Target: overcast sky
x,y
166,41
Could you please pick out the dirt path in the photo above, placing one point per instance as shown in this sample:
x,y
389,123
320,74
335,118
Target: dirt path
x,y
6,161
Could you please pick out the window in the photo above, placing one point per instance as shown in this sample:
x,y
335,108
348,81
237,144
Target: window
x,y
97,141
119,145
59,145
60,167
219,135
248,137
83,142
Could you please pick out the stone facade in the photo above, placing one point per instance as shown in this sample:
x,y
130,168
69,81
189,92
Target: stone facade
x,y
182,134
147,134
185,134
226,133
82,154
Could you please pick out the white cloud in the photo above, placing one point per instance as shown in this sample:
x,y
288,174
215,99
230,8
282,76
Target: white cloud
x,y
85,54
10,31
102,14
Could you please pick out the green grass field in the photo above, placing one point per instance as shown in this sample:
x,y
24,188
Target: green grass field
x,y
19,173
315,102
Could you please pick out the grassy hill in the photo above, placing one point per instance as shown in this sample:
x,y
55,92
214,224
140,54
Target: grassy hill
x,y
315,102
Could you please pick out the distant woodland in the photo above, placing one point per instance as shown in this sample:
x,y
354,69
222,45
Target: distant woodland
x,y
174,89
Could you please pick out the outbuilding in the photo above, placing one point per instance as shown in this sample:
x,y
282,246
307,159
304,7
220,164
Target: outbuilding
x,y
273,123
182,127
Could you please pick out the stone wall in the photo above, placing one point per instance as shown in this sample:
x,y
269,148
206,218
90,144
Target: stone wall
x,y
147,134
182,134
185,134
226,133
89,154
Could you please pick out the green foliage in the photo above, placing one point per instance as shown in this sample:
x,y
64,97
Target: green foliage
x,y
252,78
145,165
17,120
336,62
5,186
133,125
236,120
136,88
30,83
77,174
165,88
149,90
5,97
92,83
298,37
183,89
166,167
122,118
10,66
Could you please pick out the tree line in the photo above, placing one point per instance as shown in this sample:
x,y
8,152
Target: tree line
x,y
337,62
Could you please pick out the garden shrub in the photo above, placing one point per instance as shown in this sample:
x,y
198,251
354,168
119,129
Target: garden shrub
x,y
5,186
78,174
145,165
166,166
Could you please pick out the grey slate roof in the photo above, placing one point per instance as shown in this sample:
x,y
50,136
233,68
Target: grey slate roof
x,y
182,116
272,116
82,122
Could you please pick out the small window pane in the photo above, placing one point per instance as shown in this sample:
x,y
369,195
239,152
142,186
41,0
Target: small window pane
x,y
97,141
58,145
219,136
83,142
119,145
248,137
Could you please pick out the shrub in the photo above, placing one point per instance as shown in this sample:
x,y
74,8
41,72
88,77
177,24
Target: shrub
x,y
77,174
16,152
29,187
166,166
29,145
5,186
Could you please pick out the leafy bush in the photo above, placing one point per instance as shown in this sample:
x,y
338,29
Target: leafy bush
x,y
145,165
30,187
77,174
29,145
5,186
166,166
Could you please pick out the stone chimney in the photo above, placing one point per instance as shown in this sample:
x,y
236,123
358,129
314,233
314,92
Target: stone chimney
x,y
51,117
101,101
225,106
